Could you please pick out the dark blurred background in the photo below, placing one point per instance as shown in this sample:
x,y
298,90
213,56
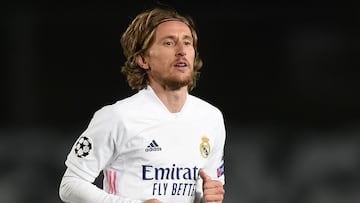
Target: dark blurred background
x,y
284,73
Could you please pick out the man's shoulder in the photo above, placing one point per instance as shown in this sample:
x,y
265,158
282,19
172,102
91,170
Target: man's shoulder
x,y
203,104
125,103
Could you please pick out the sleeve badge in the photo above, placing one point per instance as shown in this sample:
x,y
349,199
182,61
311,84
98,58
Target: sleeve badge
x,y
83,147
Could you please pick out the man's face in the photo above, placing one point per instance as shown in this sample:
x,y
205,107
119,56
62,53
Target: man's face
x,y
170,59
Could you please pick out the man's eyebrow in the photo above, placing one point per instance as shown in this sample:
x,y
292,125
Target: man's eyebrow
x,y
188,37
175,36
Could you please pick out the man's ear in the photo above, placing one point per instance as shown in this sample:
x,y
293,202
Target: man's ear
x,y
140,60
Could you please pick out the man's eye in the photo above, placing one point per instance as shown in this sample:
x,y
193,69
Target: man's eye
x,y
188,43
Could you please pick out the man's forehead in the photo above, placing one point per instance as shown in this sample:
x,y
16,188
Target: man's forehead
x,y
173,27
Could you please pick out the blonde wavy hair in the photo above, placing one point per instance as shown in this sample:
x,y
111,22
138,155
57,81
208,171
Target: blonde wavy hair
x,y
139,36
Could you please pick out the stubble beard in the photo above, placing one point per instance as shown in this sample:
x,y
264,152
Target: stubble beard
x,y
172,83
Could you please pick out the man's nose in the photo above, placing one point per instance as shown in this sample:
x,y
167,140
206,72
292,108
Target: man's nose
x,y
181,50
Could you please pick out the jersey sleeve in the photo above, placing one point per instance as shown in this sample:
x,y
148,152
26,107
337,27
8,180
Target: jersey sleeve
x,y
95,147
214,166
74,189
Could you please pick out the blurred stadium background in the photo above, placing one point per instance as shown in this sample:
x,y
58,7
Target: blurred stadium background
x,y
285,74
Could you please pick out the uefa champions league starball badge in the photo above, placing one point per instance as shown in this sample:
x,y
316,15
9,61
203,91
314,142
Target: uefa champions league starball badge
x,y
205,147
83,147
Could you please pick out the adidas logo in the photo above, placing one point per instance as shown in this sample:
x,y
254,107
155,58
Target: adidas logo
x,y
153,146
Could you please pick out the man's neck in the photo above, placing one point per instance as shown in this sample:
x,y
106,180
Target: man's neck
x,y
173,100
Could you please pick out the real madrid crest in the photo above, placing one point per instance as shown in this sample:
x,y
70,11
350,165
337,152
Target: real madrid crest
x,y
205,147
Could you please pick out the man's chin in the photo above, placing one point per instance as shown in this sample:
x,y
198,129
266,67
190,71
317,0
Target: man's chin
x,y
176,85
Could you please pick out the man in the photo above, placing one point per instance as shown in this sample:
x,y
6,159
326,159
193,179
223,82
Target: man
x,y
161,144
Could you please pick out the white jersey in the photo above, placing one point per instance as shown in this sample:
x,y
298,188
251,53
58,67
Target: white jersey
x,y
147,152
